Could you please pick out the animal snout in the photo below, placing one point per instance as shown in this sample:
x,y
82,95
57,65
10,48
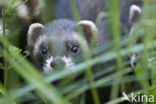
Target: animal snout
x,y
57,63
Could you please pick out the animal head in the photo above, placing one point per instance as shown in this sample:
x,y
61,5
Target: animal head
x,y
58,43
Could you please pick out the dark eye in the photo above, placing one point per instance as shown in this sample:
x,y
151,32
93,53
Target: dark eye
x,y
44,51
74,49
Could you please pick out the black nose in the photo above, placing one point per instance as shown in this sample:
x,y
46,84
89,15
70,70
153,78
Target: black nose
x,y
58,63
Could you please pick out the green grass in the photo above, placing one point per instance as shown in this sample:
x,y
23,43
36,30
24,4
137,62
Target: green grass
x,y
37,87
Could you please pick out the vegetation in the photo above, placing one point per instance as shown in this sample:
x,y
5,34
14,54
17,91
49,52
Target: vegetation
x,y
22,82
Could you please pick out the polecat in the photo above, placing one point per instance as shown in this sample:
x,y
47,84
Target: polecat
x,y
59,42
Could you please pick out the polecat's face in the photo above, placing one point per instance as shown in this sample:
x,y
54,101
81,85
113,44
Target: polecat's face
x,y
56,45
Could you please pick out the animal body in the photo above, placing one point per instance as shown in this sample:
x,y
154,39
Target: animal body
x,y
57,44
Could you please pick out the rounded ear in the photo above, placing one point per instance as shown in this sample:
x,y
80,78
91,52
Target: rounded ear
x,y
89,29
34,32
135,12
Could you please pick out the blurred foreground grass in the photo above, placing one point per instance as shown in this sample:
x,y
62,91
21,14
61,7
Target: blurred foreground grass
x,y
118,50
